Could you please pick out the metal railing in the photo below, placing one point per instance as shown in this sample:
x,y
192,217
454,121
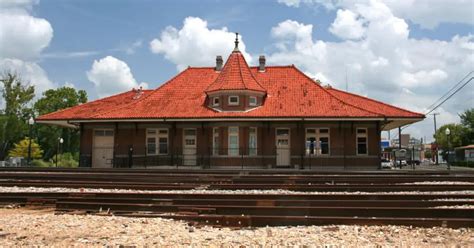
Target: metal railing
x,y
243,158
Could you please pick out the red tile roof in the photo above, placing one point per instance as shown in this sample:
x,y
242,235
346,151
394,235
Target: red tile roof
x,y
235,75
90,109
373,105
290,93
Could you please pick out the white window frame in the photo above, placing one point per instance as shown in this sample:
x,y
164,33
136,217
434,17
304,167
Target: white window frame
x,y
250,101
215,147
233,103
214,101
255,149
317,146
324,135
311,135
362,135
104,132
157,135
232,152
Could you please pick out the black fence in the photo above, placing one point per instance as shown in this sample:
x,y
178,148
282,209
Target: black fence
x,y
243,158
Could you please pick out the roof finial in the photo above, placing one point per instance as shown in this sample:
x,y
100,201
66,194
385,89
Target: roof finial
x,y
236,48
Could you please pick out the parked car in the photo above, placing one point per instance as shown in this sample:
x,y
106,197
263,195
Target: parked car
x,y
403,162
386,164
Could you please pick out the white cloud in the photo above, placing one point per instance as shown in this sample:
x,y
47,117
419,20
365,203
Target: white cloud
x,y
347,25
328,4
135,45
195,44
430,13
23,37
29,72
384,63
111,75
427,13
290,3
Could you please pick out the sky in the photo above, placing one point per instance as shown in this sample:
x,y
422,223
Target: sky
x,y
406,53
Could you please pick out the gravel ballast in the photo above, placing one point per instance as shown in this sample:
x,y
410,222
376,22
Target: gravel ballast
x,y
22,227
204,191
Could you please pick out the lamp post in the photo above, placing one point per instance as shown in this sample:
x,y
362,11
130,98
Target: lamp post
x,y
448,135
31,122
60,142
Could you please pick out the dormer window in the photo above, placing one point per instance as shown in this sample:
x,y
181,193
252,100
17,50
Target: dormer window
x,y
215,101
253,101
233,100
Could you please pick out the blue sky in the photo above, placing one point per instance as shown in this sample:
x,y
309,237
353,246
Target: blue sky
x,y
103,26
402,52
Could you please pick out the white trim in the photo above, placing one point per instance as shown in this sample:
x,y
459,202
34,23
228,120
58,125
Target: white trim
x,y
214,104
157,137
222,119
233,103
215,150
62,123
256,142
317,135
229,149
240,92
324,135
366,136
289,144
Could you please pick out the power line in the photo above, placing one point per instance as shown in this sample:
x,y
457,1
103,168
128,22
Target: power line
x,y
458,83
462,86
447,98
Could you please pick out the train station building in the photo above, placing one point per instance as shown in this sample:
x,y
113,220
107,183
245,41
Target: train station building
x,y
233,115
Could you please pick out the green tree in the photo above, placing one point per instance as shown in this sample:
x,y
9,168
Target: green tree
x,y
16,96
467,120
51,101
21,149
455,139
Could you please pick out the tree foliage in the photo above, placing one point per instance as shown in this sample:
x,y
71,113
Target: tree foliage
x,y
16,95
467,120
21,149
51,101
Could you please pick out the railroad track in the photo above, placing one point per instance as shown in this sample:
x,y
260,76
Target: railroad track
x,y
335,206
225,180
244,210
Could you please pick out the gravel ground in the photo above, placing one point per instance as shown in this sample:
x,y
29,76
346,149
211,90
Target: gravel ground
x,y
204,191
457,206
22,227
438,183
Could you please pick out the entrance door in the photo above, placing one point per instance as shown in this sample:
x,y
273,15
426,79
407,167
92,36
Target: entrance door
x,y
189,147
103,148
283,147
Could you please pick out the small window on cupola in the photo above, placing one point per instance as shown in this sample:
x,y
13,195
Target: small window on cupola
x,y
234,100
253,101
215,101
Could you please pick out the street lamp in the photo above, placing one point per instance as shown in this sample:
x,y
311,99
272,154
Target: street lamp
x,y
60,142
448,135
31,122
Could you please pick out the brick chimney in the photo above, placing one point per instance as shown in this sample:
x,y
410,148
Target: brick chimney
x,y
219,63
261,63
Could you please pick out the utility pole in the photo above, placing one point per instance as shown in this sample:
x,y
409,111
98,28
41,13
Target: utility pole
x,y
400,143
436,142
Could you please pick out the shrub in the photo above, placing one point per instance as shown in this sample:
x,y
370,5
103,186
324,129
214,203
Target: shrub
x,y
41,163
469,164
65,160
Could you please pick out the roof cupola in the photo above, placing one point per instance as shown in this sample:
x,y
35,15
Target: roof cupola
x,y
236,81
